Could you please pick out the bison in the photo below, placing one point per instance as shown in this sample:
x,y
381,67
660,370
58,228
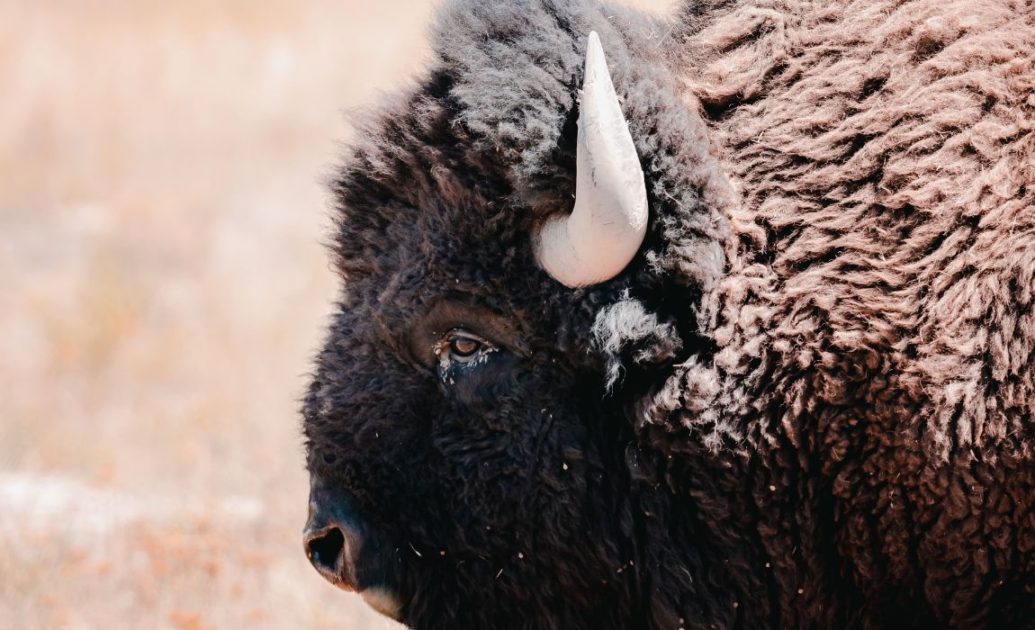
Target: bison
x,y
722,320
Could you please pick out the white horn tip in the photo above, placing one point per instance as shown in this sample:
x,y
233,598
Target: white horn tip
x,y
594,51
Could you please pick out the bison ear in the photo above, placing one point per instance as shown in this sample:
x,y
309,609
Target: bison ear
x,y
606,226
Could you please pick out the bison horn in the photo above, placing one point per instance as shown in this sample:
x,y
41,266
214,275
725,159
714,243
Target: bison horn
x,y
606,227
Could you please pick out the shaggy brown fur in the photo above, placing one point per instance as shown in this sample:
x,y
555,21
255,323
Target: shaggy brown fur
x,y
807,402
883,270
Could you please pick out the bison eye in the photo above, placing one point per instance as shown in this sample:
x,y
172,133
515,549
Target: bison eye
x,y
463,347
460,346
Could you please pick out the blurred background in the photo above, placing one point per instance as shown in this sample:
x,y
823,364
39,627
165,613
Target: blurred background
x,y
162,288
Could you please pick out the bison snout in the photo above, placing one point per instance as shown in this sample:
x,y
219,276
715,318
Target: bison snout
x,y
332,539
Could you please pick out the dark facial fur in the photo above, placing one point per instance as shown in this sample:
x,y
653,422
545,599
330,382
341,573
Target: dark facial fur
x,y
715,438
480,484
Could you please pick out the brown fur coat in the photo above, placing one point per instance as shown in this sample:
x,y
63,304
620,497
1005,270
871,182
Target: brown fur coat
x,y
881,157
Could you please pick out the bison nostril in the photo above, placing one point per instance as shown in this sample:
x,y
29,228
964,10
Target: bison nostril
x,y
332,538
325,548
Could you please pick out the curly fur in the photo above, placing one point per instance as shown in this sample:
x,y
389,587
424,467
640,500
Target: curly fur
x,y
807,402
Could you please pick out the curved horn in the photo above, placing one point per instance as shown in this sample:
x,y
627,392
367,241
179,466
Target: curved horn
x,y
609,220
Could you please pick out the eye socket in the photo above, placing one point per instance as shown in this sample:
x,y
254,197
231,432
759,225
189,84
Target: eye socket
x,y
460,346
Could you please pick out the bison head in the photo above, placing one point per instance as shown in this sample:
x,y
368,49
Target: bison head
x,y
473,442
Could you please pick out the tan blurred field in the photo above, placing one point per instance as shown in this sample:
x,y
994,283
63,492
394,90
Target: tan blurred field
x,y
162,287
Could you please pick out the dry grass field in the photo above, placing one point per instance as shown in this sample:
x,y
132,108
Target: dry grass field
x,y
162,287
